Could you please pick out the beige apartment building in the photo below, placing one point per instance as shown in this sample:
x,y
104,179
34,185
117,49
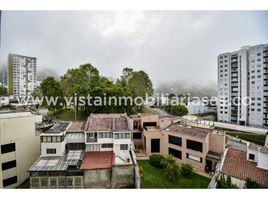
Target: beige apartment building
x,y
20,147
200,147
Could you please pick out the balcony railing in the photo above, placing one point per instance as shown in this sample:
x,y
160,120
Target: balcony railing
x,y
92,140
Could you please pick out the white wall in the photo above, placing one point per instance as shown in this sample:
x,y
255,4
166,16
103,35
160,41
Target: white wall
x,y
262,160
59,146
20,128
252,151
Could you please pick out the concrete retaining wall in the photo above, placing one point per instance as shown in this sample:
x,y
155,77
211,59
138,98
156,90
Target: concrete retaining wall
x,y
122,176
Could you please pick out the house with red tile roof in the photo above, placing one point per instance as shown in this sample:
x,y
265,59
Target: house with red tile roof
x,y
86,154
240,165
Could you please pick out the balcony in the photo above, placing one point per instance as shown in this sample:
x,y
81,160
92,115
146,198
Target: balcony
x,y
90,140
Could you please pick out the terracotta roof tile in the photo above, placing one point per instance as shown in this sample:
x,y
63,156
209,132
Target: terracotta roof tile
x,y
76,126
121,124
98,160
107,122
238,166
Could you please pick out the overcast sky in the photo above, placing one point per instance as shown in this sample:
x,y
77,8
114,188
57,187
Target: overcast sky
x,y
168,45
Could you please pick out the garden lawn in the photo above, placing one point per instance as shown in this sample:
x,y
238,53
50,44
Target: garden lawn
x,y
154,178
251,137
68,115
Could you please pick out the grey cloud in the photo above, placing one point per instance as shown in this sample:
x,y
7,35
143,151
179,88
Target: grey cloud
x,y
169,45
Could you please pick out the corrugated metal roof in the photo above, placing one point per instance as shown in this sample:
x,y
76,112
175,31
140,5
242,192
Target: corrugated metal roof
x,y
53,163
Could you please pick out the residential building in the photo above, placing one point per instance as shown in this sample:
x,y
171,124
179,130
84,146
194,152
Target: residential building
x,y
242,88
3,77
97,153
200,147
20,147
200,107
251,163
4,101
22,78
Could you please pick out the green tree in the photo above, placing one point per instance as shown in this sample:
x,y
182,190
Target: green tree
x,y
251,183
78,82
51,90
126,75
138,82
177,110
3,91
186,170
171,169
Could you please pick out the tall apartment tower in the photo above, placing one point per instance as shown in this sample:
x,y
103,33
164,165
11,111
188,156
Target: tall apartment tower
x,y
21,75
243,86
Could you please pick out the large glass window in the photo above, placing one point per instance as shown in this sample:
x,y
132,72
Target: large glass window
x,y
10,181
174,140
174,152
137,135
123,146
6,148
9,165
194,145
108,145
51,151
193,157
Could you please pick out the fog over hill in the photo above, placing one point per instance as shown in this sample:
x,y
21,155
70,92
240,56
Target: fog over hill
x,y
195,88
45,72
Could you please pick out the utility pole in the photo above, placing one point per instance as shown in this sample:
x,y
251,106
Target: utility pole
x,y
75,104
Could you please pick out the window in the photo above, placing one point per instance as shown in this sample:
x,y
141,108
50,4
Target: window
x,y
48,139
123,147
174,140
108,145
10,181
62,182
69,182
75,146
174,152
116,135
44,182
78,181
197,146
35,182
59,139
9,165
137,135
155,145
193,157
251,156
6,148
51,151
53,182
54,139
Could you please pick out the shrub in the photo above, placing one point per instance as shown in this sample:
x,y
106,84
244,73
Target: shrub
x,y
156,160
171,169
251,183
186,170
225,183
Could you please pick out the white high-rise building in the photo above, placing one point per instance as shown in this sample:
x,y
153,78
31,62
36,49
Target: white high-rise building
x,y
21,75
243,86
